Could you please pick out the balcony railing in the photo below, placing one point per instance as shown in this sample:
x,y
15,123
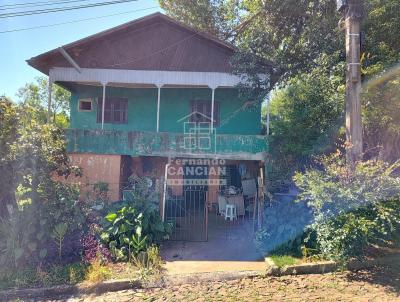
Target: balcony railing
x,y
141,143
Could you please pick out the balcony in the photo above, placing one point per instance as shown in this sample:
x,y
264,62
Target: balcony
x,y
140,143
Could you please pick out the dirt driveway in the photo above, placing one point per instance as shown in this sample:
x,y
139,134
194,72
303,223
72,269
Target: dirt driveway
x,y
373,285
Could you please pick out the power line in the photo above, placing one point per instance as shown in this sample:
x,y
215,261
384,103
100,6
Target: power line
x,y
75,21
36,4
61,9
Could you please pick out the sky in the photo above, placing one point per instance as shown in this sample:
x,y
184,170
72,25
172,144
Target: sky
x,y
17,47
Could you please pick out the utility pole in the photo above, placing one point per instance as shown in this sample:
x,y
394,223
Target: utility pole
x,y
352,10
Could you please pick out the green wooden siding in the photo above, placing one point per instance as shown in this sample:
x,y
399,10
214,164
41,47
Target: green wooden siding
x,y
142,108
175,104
239,130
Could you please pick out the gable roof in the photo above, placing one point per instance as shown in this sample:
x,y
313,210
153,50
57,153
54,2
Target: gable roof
x,y
154,42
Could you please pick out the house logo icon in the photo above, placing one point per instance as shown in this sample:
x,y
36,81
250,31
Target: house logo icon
x,y
199,135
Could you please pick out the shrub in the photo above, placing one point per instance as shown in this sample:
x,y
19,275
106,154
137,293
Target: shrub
x,y
38,206
93,250
32,231
353,208
131,226
130,231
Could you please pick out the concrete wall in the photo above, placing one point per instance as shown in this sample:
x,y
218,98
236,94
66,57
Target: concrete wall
x,y
95,168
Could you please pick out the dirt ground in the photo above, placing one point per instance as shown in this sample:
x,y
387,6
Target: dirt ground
x,y
372,285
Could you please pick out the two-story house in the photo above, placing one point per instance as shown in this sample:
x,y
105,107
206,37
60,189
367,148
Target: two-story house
x,y
149,95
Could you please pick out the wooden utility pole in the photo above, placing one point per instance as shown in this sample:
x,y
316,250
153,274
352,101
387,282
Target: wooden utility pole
x,y
352,10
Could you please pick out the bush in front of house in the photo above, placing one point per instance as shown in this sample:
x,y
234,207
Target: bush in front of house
x,y
132,226
353,209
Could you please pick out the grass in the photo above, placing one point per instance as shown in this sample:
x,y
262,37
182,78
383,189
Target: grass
x,y
39,276
283,260
98,272
144,266
54,275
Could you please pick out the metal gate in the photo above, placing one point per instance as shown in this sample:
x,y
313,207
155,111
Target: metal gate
x,y
186,209
188,215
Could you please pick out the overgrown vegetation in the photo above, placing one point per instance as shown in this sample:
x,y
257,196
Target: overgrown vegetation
x,y
36,206
49,236
352,209
43,276
133,226
306,114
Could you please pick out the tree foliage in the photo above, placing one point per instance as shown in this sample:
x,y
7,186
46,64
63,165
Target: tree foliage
x,y
306,114
36,95
353,209
33,201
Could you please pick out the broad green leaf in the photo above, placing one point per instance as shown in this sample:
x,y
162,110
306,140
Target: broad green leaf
x,y
111,217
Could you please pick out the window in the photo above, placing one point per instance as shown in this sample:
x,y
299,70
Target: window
x,y
115,110
85,105
201,112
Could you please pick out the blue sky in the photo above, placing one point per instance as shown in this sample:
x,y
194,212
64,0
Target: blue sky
x,y
16,47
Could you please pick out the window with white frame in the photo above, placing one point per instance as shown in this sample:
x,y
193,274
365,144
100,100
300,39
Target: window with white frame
x,y
85,105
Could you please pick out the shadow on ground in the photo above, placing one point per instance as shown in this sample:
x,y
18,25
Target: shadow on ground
x,y
227,241
388,276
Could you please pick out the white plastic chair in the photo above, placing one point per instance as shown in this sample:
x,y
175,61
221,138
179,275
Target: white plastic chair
x,y
221,205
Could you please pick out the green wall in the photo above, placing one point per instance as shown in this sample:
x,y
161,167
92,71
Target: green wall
x,y
175,104
142,108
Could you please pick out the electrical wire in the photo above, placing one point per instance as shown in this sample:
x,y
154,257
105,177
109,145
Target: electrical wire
x,y
75,21
37,4
61,9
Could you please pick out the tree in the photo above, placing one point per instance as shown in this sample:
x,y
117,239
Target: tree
x,y
8,134
217,17
381,91
36,94
32,158
306,114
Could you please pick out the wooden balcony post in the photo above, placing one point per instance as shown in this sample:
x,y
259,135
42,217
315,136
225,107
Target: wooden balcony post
x,y
158,105
212,108
103,105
